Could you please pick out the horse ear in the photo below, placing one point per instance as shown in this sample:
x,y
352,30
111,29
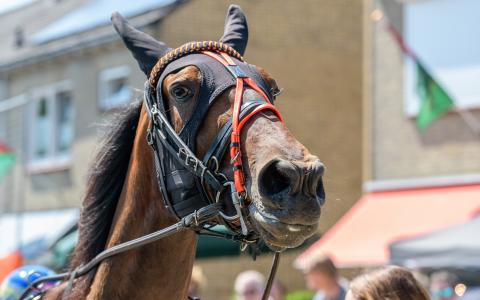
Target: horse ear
x,y
235,33
145,49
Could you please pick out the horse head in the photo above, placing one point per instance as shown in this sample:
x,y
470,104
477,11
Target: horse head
x,y
283,180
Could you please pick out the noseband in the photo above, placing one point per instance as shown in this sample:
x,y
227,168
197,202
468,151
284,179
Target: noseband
x,y
192,187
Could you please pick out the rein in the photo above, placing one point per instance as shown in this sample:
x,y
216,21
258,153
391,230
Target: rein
x,y
167,144
191,221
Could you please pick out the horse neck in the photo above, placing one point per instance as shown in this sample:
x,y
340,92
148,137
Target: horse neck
x,y
160,270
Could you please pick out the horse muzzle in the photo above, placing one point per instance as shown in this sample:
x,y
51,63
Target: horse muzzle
x,y
288,208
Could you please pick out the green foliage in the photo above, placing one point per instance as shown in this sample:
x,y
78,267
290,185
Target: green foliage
x,y
300,295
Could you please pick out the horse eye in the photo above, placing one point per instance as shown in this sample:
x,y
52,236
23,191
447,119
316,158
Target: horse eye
x,y
180,92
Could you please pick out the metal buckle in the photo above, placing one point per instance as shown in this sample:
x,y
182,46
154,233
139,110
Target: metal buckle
x,y
154,112
156,123
217,165
190,160
149,137
236,200
182,151
193,162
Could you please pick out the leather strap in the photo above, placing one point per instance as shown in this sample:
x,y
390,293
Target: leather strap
x,y
193,221
168,138
219,144
237,125
271,276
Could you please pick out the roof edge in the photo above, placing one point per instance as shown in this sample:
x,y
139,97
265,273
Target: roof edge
x,y
163,11
420,182
49,54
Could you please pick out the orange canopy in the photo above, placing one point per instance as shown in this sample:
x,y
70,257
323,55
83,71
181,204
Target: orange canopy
x,y
9,263
361,237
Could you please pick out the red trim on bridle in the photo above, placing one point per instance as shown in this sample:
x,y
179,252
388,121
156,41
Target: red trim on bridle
x,y
237,124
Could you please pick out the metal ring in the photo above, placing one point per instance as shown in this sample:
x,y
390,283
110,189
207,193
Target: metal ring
x,y
149,137
223,176
231,184
225,184
228,218
202,175
195,217
219,193
217,165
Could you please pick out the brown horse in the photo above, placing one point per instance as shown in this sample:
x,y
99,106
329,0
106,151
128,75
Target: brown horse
x,y
123,200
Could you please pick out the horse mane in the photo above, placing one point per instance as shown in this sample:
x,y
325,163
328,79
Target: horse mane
x,y
105,183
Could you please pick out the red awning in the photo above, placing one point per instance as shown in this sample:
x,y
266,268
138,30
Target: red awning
x,y
361,237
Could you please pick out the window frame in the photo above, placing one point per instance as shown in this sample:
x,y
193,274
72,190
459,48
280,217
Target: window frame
x,y
105,76
55,160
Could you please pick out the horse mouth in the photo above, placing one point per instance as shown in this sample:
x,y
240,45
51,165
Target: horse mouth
x,y
279,235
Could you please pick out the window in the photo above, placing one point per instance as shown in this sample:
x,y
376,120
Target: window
x,y
65,121
43,128
440,33
52,127
113,89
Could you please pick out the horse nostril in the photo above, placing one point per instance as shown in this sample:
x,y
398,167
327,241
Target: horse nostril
x,y
314,180
320,192
277,177
281,177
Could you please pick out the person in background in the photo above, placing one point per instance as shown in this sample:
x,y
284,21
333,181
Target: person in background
x,y
392,283
442,285
198,282
249,285
322,277
278,291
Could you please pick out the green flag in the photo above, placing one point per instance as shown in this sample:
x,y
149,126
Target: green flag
x,y
7,159
435,101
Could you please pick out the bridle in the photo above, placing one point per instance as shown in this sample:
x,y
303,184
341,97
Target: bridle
x,y
161,136
175,157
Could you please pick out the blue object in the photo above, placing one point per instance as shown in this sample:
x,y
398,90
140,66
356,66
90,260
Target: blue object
x,y
17,281
445,293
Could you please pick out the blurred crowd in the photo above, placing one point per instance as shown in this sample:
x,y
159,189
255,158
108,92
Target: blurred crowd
x,y
324,282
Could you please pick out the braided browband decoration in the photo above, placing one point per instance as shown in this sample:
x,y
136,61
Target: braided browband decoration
x,y
189,48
